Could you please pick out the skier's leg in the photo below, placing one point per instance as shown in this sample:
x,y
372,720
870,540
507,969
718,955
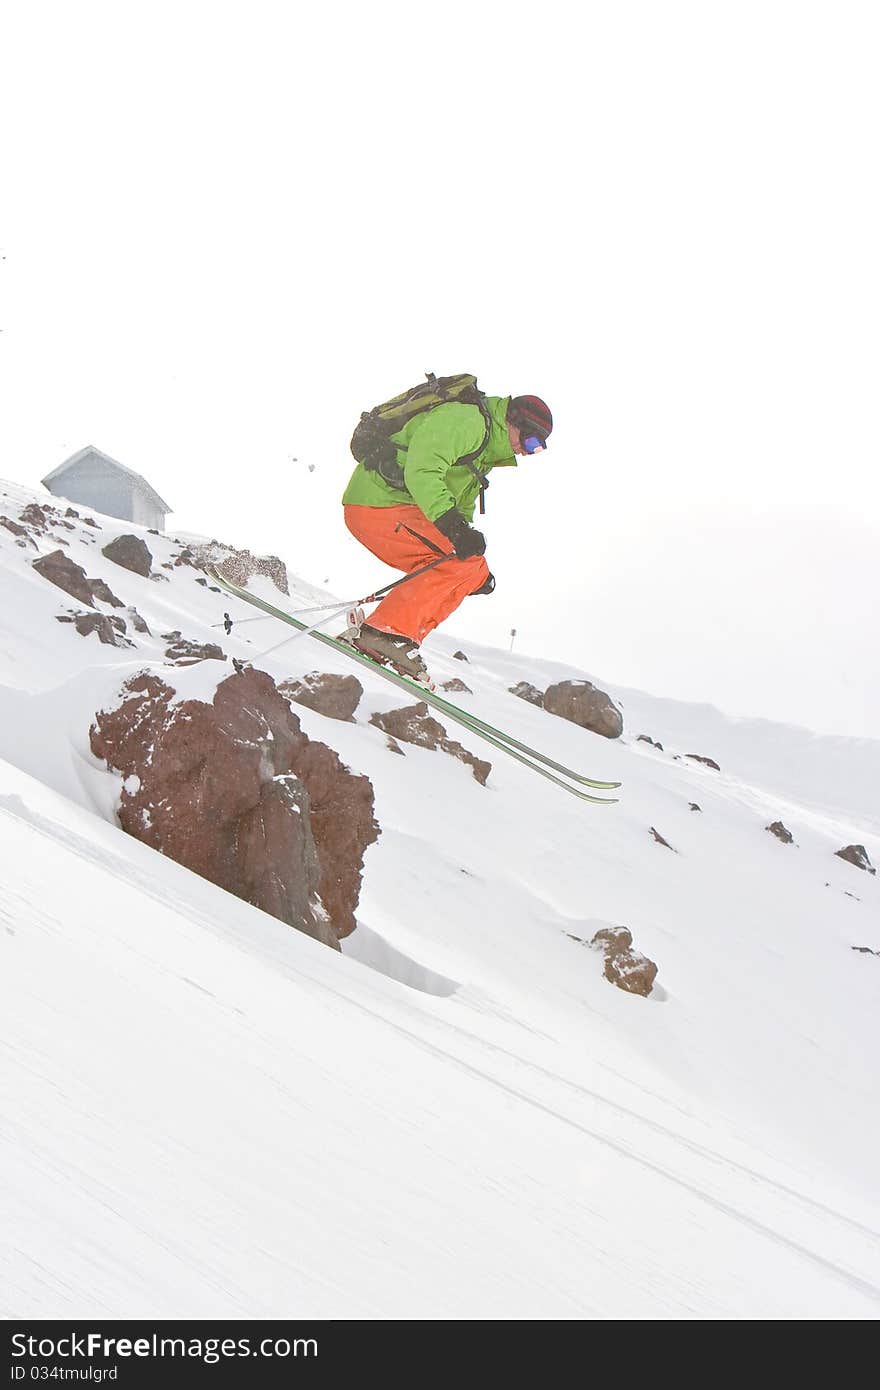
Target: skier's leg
x,y
394,534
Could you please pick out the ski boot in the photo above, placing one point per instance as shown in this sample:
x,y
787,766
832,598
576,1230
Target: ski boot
x,y
389,649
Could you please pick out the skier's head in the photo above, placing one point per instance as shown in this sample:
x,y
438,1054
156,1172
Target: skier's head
x,y
529,422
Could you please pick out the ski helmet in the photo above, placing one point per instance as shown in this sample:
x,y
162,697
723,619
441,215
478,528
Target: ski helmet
x,y
531,416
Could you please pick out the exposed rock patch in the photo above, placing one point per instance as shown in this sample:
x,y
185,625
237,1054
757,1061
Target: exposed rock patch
x,y
413,724
238,566
525,691
582,703
110,629
20,532
101,590
186,652
858,855
660,840
456,684
38,517
643,738
624,967
459,656
335,696
60,570
131,553
780,831
694,807
138,623
235,791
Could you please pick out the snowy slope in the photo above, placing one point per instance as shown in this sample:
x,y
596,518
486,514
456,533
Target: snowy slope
x,y
206,1113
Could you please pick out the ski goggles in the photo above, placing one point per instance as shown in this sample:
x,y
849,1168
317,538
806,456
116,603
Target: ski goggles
x,y
533,443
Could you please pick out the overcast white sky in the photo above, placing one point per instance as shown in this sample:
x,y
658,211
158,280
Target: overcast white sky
x,y
227,229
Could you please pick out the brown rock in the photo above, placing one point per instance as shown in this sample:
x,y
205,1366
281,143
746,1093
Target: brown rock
x,y
459,656
235,791
456,684
660,840
643,738
694,807
59,569
238,566
335,696
110,630
138,623
781,833
413,724
858,855
103,592
16,530
709,762
583,704
37,516
626,968
525,691
131,553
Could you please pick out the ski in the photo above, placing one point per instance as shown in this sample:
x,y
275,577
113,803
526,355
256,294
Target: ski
x,y
497,738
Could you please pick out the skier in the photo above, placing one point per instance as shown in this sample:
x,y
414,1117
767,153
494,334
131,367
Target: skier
x,y
428,513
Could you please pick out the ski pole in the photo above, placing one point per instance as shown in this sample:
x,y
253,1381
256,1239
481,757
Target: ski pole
x,y
306,631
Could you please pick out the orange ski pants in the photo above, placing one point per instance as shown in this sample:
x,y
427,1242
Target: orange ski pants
x,y
417,607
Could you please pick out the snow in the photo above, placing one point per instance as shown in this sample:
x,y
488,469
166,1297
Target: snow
x,y
208,1114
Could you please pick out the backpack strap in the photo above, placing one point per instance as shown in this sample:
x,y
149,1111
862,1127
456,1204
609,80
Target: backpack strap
x,y
469,460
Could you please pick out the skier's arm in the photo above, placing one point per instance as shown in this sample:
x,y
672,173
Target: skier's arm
x,y
441,438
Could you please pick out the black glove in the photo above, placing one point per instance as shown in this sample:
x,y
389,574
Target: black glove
x,y
465,540
487,588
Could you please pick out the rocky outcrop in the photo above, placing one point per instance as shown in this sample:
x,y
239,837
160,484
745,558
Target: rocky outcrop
x,y
110,629
858,855
236,792
459,656
185,652
23,537
624,967
60,570
643,738
131,553
38,516
582,703
456,685
335,696
779,830
101,591
707,762
238,566
525,691
413,724
660,840
138,623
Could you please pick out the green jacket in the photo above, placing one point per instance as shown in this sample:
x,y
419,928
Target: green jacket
x,y
434,441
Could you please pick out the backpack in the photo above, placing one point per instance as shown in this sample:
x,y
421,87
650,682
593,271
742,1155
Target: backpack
x,y
371,442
